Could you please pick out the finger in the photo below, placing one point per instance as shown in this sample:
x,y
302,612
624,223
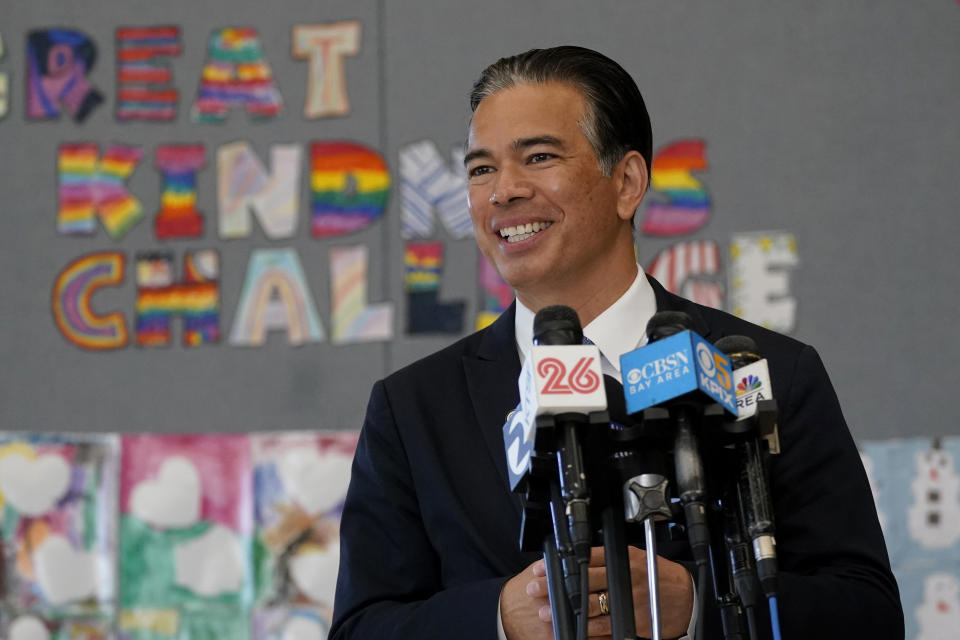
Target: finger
x,y
599,627
539,568
597,557
598,578
537,588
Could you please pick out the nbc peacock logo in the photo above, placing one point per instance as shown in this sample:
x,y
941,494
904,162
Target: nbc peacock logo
x,y
748,384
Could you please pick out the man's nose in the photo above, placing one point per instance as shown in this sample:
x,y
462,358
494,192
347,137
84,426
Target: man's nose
x,y
511,184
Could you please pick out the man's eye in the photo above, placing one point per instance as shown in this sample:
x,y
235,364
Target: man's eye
x,y
479,171
541,157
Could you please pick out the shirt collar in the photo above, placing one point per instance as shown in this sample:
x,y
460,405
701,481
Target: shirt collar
x,y
620,328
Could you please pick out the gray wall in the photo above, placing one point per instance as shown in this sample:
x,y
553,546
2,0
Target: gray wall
x,y
834,121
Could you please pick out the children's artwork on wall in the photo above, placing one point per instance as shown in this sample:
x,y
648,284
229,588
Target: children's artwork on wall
x,y
354,320
350,184
58,62
4,86
496,294
325,46
244,185
72,303
195,298
58,500
430,187
689,269
759,274
275,296
186,524
91,187
300,481
144,80
687,205
423,264
178,216
236,74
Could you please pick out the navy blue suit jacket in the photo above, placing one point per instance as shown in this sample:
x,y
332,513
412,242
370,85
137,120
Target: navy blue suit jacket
x,y
429,533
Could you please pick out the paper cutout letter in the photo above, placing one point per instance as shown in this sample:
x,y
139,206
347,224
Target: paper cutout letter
x,y
353,319
178,216
4,86
144,79
350,185
682,267
236,74
325,46
244,184
90,186
423,263
275,295
688,203
760,265
496,294
160,297
72,293
427,185
58,61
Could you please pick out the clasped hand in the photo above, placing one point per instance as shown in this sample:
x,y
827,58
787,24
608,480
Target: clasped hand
x,y
525,605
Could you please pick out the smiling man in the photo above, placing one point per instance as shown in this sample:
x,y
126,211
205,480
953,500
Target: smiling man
x,y
558,161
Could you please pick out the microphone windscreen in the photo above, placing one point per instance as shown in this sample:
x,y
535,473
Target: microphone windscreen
x,y
664,324
557,325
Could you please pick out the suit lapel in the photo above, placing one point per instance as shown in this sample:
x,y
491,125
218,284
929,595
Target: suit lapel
x,y
492,384
667,301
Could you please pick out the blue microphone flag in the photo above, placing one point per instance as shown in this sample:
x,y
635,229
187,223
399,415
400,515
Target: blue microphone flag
x,y
675,366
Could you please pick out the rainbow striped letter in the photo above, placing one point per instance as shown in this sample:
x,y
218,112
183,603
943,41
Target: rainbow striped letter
x,y
72,311
236,74
275,296
159,298
144,90
688,204
423,263
178,216
350,184
353,319
325,45
90,186
243,184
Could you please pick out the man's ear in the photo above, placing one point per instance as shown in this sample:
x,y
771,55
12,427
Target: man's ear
x,y
633,179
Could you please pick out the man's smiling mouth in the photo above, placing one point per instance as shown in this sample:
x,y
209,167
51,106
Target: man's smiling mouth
x,y
523,231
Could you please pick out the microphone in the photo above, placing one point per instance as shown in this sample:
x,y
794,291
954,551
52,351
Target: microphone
x,y
564,380
757,419
681,371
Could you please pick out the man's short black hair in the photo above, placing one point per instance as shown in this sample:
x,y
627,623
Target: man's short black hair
x,y
616,120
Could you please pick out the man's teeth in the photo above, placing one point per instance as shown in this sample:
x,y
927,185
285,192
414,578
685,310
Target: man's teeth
x,y
523,231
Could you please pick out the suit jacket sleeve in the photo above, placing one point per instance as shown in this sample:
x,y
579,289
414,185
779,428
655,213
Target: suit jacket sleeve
x,y
835,578
390,579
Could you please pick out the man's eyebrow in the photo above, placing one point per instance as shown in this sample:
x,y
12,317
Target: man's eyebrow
x,y
518,145
476,153
526,143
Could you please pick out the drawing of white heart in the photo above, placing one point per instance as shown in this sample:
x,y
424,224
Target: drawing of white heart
x,y
28,628
316,482
64,573
211,564
172,499
315,572
33,486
